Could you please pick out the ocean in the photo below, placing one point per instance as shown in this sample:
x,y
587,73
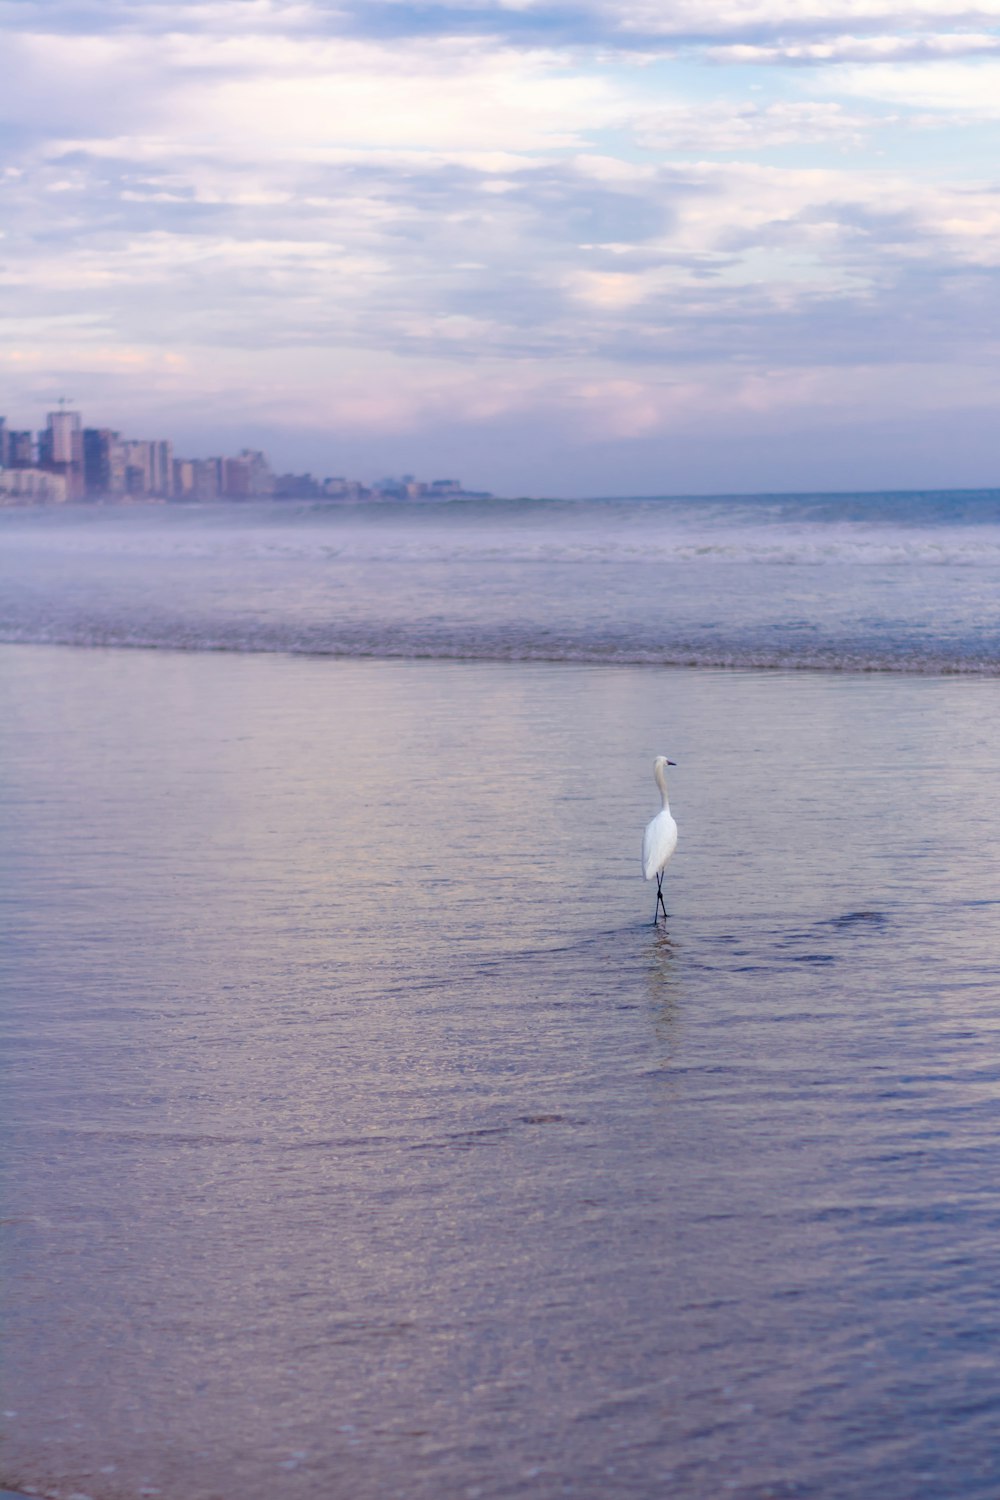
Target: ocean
x,y
363,1137
860,582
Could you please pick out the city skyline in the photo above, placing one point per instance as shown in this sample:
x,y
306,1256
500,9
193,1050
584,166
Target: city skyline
x,y
569,248
66,461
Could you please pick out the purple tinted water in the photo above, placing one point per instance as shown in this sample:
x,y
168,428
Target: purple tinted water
x,y
363,1138
875,582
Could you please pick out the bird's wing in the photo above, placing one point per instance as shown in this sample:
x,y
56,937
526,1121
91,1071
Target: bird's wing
x,y
658,843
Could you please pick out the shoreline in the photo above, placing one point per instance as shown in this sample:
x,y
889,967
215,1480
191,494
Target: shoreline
x,y
771,665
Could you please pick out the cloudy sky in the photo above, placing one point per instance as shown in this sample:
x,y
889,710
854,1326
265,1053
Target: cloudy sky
x,y
631,246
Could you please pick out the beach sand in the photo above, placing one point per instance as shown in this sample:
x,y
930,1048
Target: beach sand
x,y
364,1138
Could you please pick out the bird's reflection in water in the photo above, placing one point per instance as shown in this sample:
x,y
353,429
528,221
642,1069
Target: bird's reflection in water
x,y
664,981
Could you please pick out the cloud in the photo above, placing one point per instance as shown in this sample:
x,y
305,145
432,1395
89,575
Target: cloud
x,y
443,96
258,95
948,88
741,128
863,49
528,23
390,215
629,23
583,258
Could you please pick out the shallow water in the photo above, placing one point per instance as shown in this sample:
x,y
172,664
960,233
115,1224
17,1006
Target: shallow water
x,y
872,582
363,1138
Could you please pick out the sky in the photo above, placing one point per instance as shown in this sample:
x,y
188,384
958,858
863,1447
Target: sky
x,y
622,247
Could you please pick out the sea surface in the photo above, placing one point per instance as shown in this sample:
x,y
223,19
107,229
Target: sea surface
x,y
362,1138
864,582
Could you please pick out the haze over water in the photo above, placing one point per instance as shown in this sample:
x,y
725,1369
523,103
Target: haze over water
x,y
364,1138
868,581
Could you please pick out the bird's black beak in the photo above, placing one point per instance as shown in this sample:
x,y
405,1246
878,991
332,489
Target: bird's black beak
x,y
671,763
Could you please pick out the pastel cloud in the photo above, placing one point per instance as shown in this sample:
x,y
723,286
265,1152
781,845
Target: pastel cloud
x,y
950,88
736,127
259,95
387,218
860,49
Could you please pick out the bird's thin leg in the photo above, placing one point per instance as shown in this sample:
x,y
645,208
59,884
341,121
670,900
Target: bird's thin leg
x,y
659,897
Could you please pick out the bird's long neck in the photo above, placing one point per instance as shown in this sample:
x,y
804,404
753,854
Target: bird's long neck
x,y
661,782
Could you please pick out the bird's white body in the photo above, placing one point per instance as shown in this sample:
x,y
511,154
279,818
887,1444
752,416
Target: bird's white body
x,y
658,843
660,838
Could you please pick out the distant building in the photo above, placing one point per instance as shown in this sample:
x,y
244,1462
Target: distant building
x,y
260,478
138,466
20,450
346,489
60,450
97,462
104,462
20,486
297,487
393,489
161,468
338,488
149,468
183,478
236,479
62,439
207,474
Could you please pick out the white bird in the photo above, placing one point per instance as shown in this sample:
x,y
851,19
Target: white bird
x,y
660,838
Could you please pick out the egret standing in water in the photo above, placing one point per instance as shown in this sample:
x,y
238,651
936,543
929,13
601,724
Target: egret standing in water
x,y
660,838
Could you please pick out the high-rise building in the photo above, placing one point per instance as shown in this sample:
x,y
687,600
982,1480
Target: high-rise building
x,y
161,468
236,478
62,438
138,457
103,462
207,478
183,478
149,467
261,479
60,450
20,450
